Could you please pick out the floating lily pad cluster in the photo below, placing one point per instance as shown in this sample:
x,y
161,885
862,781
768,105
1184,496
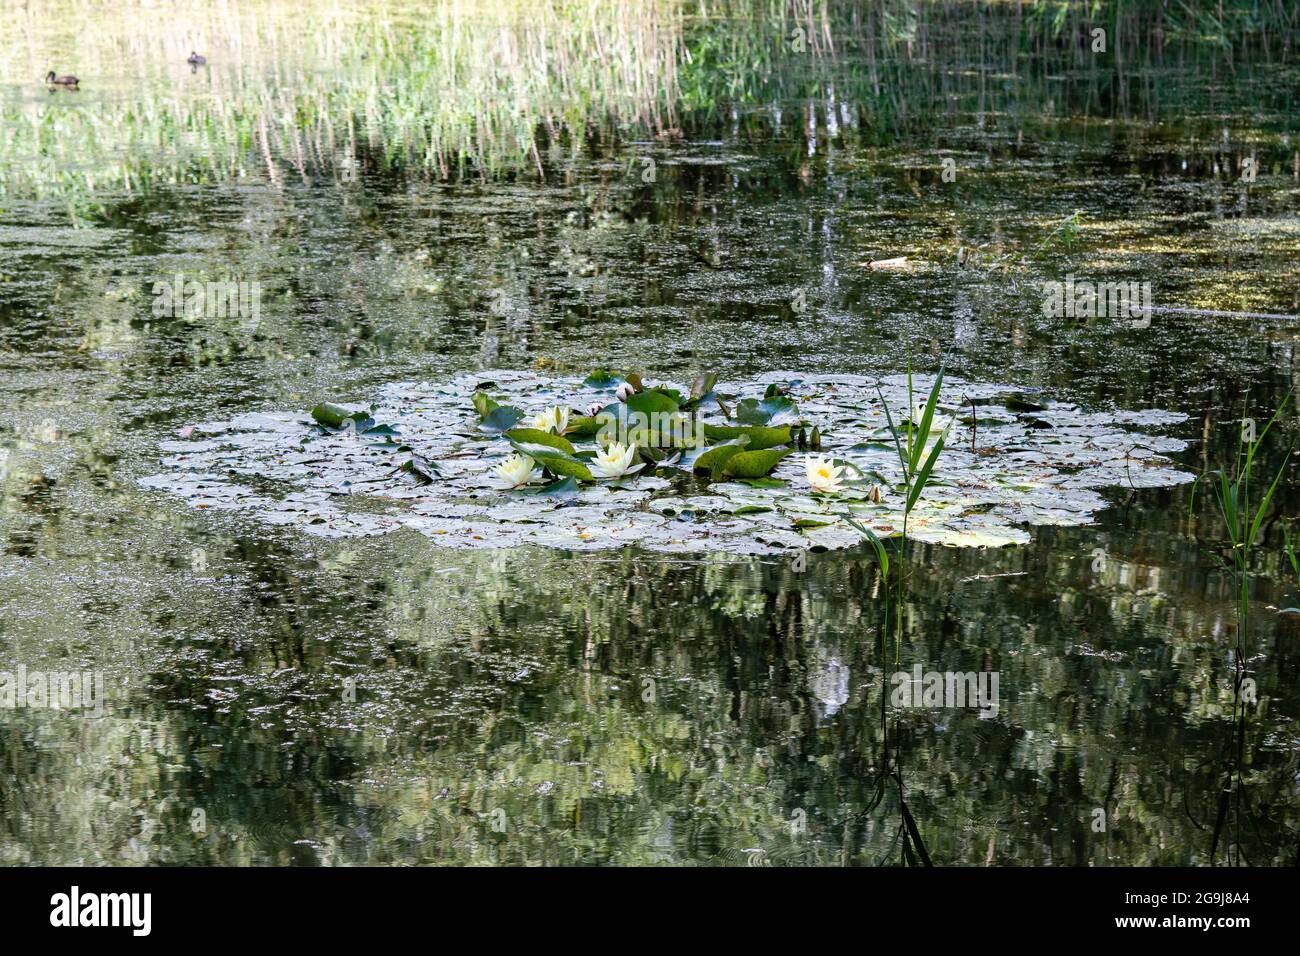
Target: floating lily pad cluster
x,y
750,478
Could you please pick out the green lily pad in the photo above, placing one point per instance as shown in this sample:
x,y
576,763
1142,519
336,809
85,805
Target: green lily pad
x,y
501,420
484,403
336,418
752,411
535,436
583,426
419,467
556,461
715,459
330,416
755,464
651,401
564,488
602,378
760,437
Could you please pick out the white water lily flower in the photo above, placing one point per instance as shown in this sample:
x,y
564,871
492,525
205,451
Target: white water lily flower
x,y
616,461
554,419
624,392
823,474
516,470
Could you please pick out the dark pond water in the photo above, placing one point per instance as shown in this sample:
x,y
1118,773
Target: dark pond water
x,y
533,706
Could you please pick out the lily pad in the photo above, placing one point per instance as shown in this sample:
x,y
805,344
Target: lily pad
x,y
754,464
536,436
715,459
500,420
652,401
990,484
760,437
767,411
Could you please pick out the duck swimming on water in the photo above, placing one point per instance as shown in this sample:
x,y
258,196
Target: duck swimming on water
x,y
196,59
53,79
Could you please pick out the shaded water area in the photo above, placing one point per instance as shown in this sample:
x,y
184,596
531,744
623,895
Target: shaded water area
x,y
390,701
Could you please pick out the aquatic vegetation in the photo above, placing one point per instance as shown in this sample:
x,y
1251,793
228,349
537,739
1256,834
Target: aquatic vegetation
x,y
615,461
292,93
823,474
305,91
1016,459
918,445
1243,508
514,678
554,419
517,470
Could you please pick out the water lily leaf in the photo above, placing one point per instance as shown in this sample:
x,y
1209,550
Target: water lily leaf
x,y
602,378
1018,403
703,385
755,464
810,522
535,436
553,459
501,419
768,411
759,437
716,458
330,416
336,418
564,488
583,426
651,401
484,404
567,468
707,400
421,468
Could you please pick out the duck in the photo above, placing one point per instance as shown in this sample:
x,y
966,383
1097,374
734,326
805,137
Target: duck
x,y
54,79
196,59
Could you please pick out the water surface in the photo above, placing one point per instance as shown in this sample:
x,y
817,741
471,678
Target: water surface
x,y
529,706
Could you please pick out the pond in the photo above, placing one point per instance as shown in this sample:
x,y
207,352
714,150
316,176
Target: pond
x,y
275,696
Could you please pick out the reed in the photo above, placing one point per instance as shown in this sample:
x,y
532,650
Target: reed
x,y
299,92
1242,508
307,91
918,446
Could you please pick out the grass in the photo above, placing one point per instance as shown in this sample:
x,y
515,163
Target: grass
x,y
300,92
296,91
